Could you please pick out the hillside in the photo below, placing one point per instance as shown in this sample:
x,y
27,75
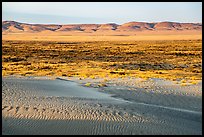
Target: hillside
x,y
15,27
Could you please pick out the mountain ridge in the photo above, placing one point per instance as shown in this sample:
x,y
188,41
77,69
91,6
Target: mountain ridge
x,y
14,26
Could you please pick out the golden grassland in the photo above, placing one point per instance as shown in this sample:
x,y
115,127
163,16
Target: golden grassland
x,y
169,59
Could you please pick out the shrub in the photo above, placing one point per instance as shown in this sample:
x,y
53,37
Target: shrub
x,y
88,84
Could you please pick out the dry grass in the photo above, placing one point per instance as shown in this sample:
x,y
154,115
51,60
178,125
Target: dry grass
x,y
87,84
170,59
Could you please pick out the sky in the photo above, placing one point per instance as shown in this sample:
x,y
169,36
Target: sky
x,y
101,12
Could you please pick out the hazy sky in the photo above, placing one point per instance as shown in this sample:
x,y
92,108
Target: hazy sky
x,y
101,12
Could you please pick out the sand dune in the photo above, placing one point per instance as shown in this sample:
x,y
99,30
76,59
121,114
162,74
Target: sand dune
x,y
35,109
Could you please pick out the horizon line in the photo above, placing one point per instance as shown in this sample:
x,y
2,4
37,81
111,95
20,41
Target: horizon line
x,y
97,23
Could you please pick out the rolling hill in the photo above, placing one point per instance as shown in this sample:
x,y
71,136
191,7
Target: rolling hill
x,y
15,27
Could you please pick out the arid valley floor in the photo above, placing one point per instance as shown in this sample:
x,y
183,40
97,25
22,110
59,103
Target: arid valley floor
x,y
143,84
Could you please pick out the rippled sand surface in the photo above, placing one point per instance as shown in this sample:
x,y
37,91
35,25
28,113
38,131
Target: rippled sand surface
x,y
42,106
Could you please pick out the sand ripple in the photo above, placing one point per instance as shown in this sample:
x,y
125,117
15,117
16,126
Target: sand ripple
x,y
28,111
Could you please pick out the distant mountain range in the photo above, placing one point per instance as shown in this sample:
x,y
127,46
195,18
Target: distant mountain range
x,y
13,26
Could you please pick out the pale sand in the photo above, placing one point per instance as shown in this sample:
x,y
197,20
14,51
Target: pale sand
x,y
132,106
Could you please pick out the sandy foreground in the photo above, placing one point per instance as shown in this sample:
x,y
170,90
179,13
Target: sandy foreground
x,y
44,105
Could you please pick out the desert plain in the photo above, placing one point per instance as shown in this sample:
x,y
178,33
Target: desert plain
x,y
94,82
